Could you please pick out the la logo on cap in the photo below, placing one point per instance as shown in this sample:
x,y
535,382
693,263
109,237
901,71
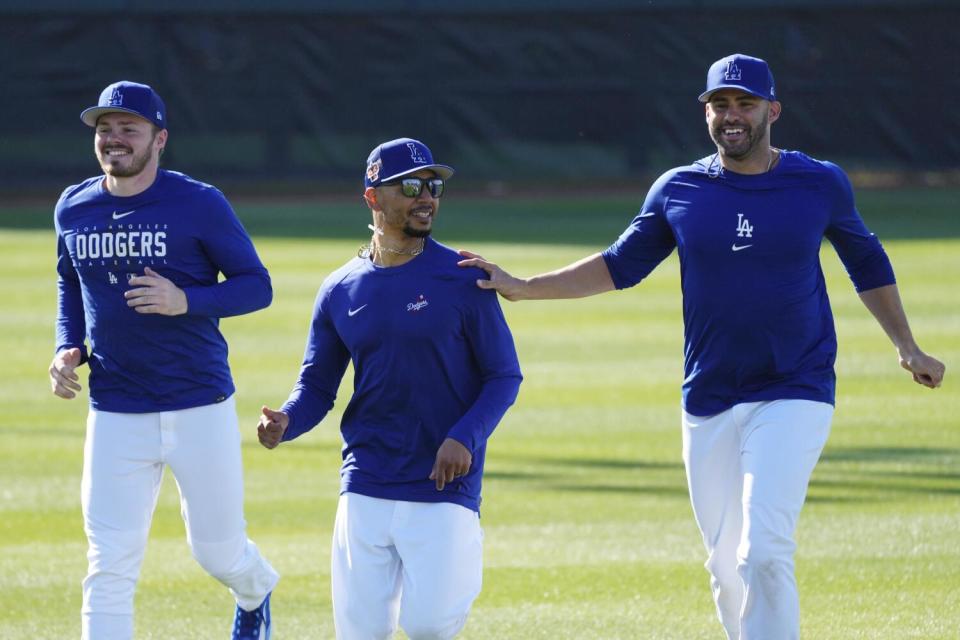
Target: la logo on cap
x,y
415,154
116,97
733,71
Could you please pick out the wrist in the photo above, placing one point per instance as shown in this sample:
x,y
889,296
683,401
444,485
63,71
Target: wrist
x,y
184,303
907,348
522,289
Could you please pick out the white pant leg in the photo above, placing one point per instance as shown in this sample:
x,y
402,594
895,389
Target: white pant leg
x,y
364,569
202,447
121,480
782,441
441,550
711,455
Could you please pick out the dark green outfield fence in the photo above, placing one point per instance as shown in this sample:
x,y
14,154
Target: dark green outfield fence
x,y
276,92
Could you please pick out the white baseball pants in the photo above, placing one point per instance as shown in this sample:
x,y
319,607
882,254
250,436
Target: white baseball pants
x,y
419,563
124,457
747,470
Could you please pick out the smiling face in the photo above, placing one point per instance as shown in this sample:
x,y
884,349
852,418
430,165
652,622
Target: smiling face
x,y
127,145
413,217
739,124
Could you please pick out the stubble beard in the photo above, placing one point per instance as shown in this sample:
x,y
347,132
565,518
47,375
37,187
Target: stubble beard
x,y
745,148
138,163
416,233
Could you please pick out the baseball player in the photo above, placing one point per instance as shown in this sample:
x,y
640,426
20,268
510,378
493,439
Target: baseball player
x,y
139,251
758,393
435,370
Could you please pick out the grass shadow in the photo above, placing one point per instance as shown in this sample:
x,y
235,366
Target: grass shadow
x,y
844,475
592,475
870,474
887,454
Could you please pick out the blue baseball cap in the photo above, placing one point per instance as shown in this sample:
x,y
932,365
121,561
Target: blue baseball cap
x,y
129,97
400,157
740,72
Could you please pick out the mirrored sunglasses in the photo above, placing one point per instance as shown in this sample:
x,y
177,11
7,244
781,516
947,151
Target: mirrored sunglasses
x,y
413,187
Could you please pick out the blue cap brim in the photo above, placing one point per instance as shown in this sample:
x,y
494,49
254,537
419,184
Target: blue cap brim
x,y
90,116
441,170
705,96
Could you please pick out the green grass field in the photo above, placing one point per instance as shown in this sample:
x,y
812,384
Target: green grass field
x,y
589,533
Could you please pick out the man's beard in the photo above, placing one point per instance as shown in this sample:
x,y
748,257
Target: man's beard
x,y
416,233
741,151
137,163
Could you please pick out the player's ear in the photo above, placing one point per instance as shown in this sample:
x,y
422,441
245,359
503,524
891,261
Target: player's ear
x,y
775,108
370,197
160,140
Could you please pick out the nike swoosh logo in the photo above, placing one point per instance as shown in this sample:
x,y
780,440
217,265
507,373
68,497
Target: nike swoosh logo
x,y
647,214
353,312
740,247
117,216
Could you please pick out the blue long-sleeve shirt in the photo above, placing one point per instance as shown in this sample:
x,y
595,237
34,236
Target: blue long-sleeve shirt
x,y
187,232
432,358
757,320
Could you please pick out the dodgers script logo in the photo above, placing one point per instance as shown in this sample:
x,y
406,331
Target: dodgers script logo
x,y
116,97
419,304
733,71
415,154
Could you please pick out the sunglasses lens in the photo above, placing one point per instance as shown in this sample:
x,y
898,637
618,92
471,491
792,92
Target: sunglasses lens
x,y
411,187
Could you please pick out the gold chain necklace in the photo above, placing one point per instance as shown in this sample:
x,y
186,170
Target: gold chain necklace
x,y
400,252
367,250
